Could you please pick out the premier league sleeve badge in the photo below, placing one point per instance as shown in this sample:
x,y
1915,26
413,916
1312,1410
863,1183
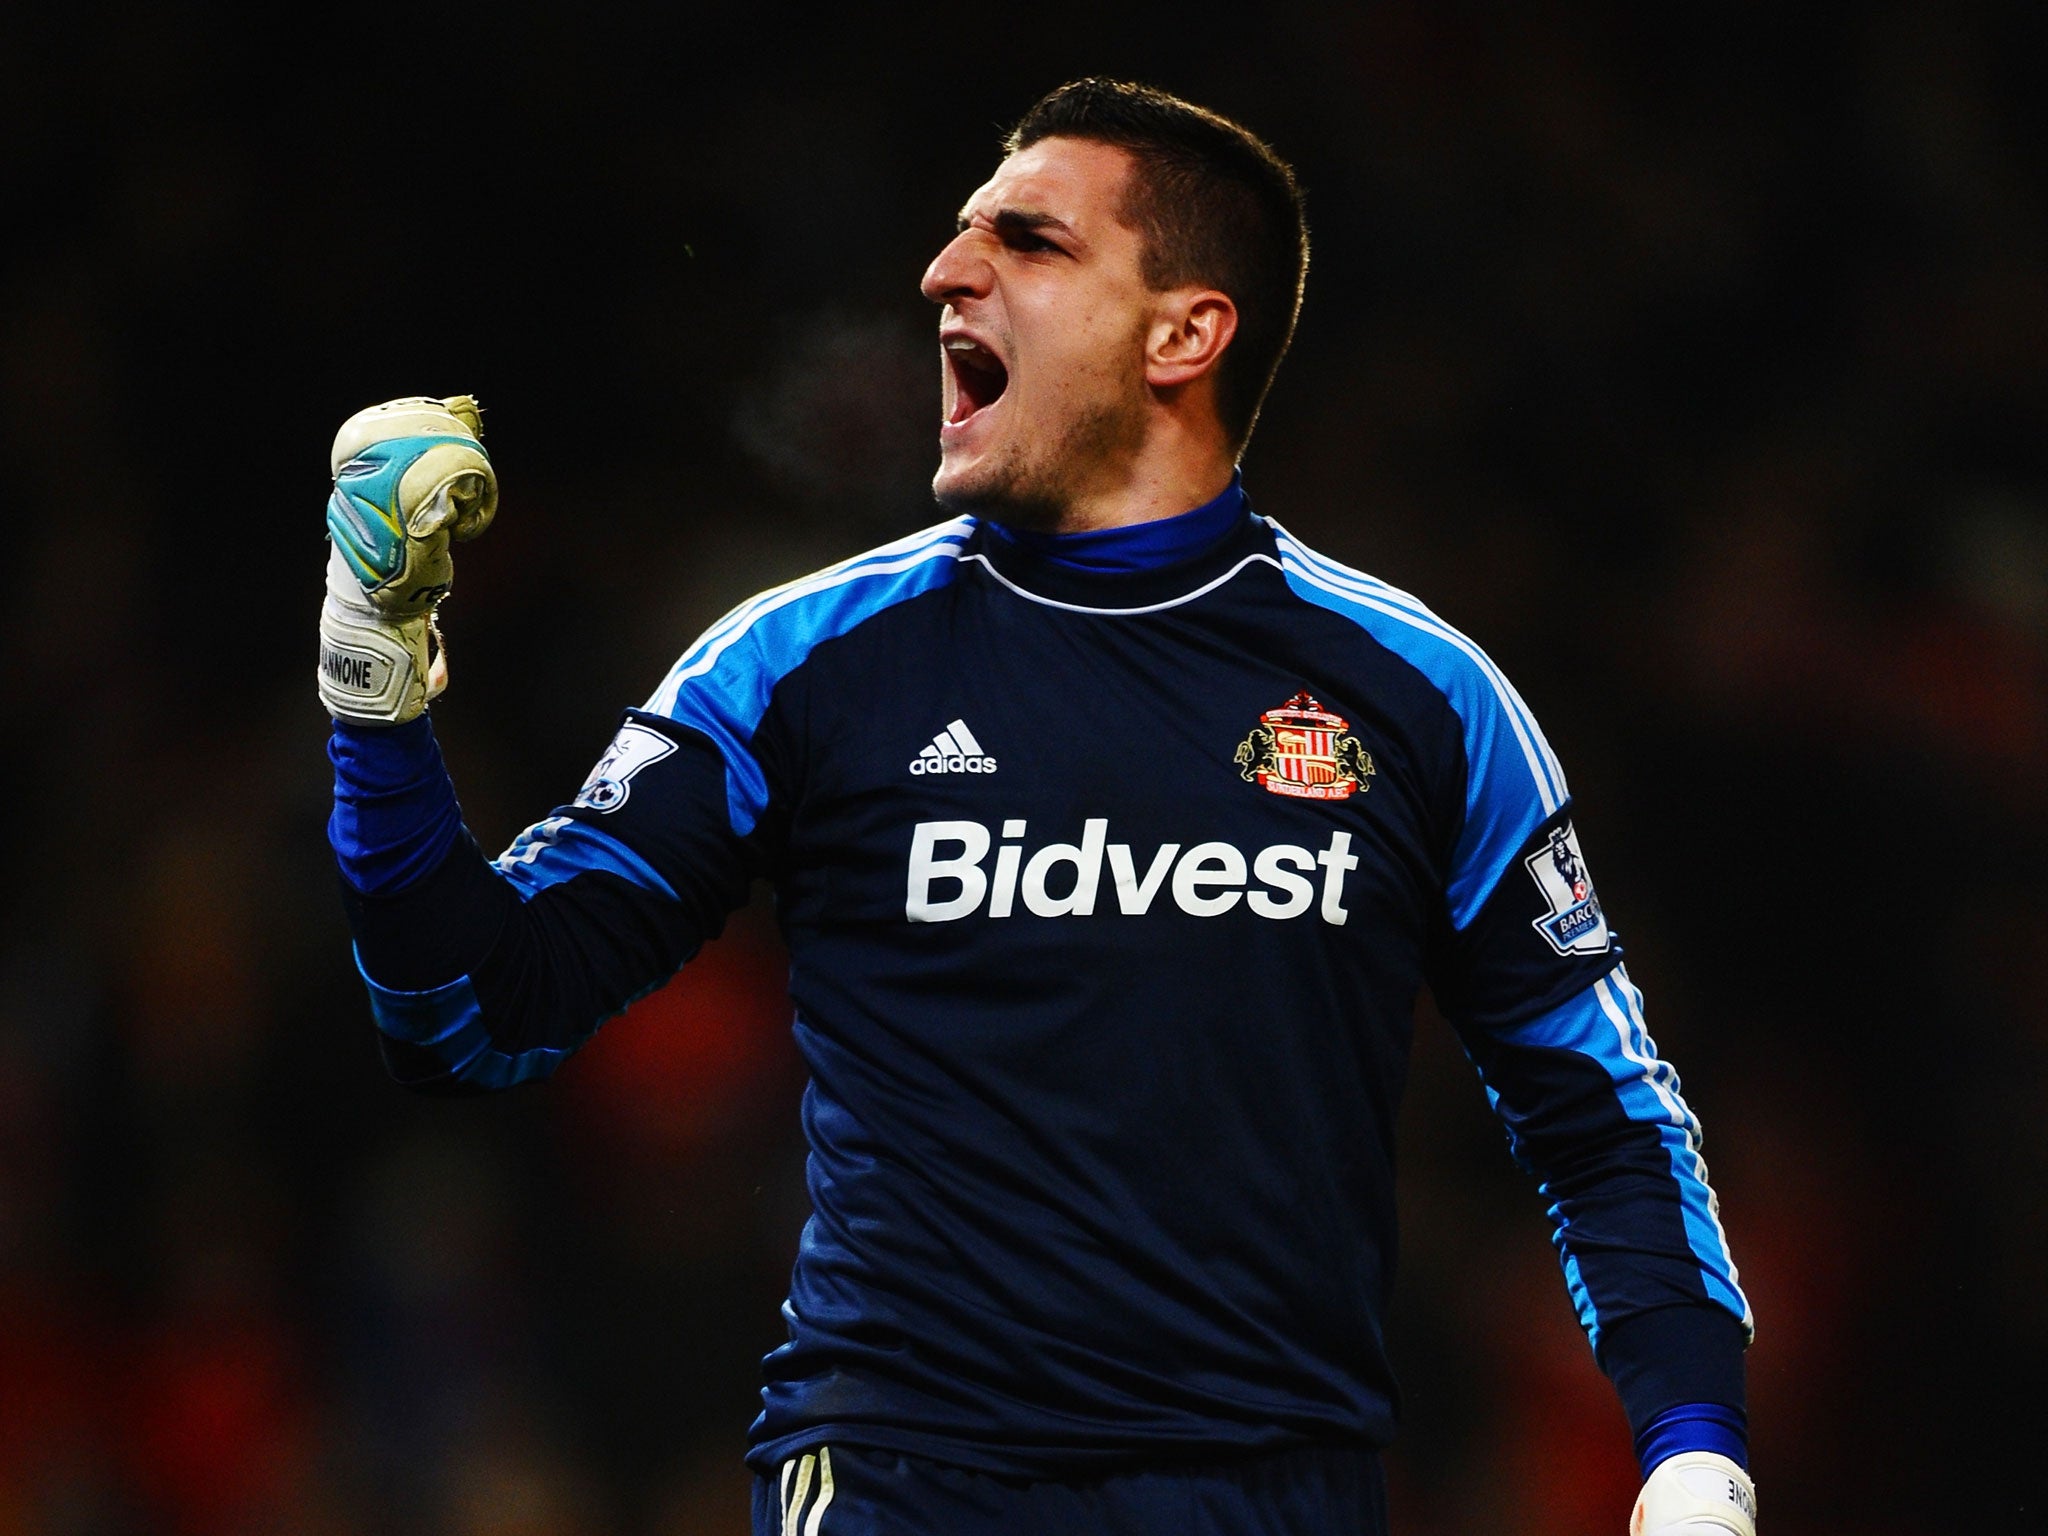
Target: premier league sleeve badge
x,y
1576,925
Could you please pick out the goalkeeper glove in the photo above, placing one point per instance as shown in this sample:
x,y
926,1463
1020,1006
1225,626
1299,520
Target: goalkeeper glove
x,y
1695,1493
409,476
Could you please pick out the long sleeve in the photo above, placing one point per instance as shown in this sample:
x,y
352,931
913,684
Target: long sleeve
x,y
1523,963
484,973
1598,1117
1531,976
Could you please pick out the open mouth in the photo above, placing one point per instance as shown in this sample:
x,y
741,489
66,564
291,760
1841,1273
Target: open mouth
x,y
978,375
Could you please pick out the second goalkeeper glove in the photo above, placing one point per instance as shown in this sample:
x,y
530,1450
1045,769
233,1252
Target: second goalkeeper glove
x,y
1695,1493
409,476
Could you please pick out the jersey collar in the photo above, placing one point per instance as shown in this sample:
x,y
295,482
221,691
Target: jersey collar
x,y
1140,565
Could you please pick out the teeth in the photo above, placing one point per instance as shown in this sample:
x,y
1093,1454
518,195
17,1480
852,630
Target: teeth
x,y
962,344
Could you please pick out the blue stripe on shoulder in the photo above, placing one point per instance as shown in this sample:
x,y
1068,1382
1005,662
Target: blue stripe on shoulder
x,y
722,684
448,1021
562,847
1513,781
1605,1022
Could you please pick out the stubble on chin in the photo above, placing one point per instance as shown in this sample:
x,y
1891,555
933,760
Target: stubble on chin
x,y
1036,486
1002,489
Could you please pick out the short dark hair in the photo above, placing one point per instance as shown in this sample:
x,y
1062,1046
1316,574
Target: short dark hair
x,y
1214,204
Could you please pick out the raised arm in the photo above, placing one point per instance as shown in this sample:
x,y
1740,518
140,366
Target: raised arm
x,y
485,973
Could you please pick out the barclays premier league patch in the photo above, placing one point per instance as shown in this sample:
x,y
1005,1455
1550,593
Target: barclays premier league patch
x,y
611,781
1576,925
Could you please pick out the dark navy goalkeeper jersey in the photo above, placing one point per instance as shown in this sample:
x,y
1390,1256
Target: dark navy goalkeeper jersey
x,y
1108,897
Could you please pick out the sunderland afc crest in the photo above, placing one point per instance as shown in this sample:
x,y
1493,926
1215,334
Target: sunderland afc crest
x,y
1301,750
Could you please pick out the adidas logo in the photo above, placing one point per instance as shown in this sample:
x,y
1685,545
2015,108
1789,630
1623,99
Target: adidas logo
x,y
953,750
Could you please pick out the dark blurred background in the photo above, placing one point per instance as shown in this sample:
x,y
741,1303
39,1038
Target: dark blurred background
x,y
1690,358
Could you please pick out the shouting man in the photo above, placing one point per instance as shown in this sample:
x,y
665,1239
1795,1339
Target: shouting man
x,y
1113,833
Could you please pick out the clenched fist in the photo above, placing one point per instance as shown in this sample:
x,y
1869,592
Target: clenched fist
x,y
410,476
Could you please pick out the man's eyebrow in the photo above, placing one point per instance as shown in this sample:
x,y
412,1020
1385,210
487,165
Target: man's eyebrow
x,y
1022,221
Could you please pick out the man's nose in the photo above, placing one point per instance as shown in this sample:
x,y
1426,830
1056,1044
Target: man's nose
x,y
958,271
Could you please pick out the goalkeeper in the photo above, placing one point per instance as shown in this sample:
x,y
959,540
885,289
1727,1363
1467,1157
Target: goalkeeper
x,y
1113,832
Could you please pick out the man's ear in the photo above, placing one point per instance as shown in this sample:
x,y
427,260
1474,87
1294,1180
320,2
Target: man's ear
x,y
1187,336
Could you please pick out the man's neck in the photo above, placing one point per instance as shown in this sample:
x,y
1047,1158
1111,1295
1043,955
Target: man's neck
x,y
1174,469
